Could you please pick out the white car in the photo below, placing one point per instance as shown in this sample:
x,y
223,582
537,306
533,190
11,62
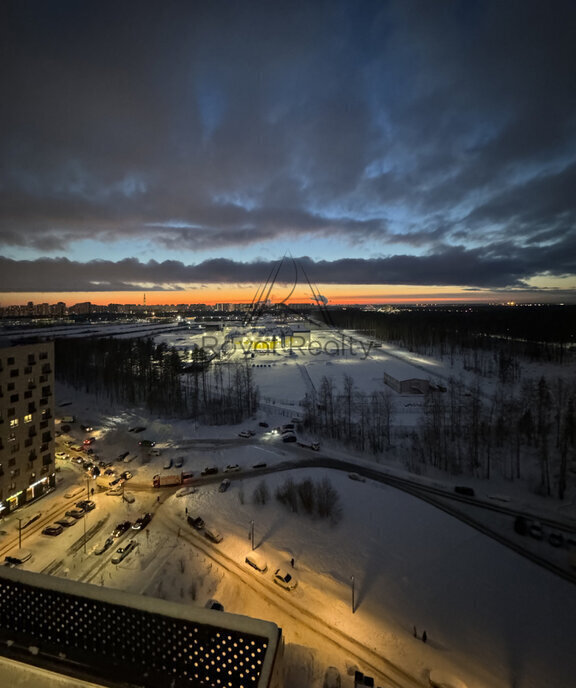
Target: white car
x,y
123,552
256,562
284,579
231,468
245,434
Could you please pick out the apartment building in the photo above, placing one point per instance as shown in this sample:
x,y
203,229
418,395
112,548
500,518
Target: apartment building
x,y
27,468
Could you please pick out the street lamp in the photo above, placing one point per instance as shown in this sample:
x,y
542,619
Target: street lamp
x,y
353,599
252,533
19,533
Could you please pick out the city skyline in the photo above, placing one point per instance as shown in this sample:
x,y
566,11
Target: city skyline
x,y
401,151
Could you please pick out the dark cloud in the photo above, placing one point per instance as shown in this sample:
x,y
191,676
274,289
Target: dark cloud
x,y
499,266
445,127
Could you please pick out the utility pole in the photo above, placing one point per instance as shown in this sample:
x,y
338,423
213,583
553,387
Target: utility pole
x,y
252,533
19,533
353,598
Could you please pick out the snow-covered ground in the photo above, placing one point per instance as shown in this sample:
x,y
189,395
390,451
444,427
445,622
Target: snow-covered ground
x,y
493,618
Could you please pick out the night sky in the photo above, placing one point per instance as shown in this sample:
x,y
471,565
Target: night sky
x,y
398,149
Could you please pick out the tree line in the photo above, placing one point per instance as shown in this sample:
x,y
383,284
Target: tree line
x,y
138,372
537,333
524,432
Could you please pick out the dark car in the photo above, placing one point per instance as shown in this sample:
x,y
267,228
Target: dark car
x,y
139,428
142,522
126,475
104,546
147,443
212,470
224,485
263,425
122,456
75,513
66,522
52,530
89,440
121,528
197,523
86,505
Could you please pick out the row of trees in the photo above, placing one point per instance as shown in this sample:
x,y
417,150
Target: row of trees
x,y
137,372
316,498
519,432
360,420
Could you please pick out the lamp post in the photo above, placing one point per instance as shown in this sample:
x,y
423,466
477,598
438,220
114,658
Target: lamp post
x,y
19,533
353,599
252,533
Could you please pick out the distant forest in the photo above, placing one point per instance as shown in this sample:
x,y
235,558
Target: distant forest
x,y
526,423
137,372
539,333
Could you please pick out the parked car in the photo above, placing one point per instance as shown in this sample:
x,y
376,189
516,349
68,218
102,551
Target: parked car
x,y
224,485
123,552
256,561
288,437
147,443
213,535
138,428
75,513
142,522
109,471
122,456
121,528
197,523
126,475
259,465
185,491
104,546
262,424
214,604
231,468
167,464
211,470
89,440
356,476
332,678
179,462
66,522
245,434
86,505
115,491
17,557
52,530
284,579
117,481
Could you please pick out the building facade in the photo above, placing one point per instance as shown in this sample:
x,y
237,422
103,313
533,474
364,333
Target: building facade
x,y
27,468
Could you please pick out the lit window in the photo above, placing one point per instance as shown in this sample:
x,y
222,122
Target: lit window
x,y
27,418
14,422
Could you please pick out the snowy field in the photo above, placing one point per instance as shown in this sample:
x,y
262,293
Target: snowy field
x,y
493,618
